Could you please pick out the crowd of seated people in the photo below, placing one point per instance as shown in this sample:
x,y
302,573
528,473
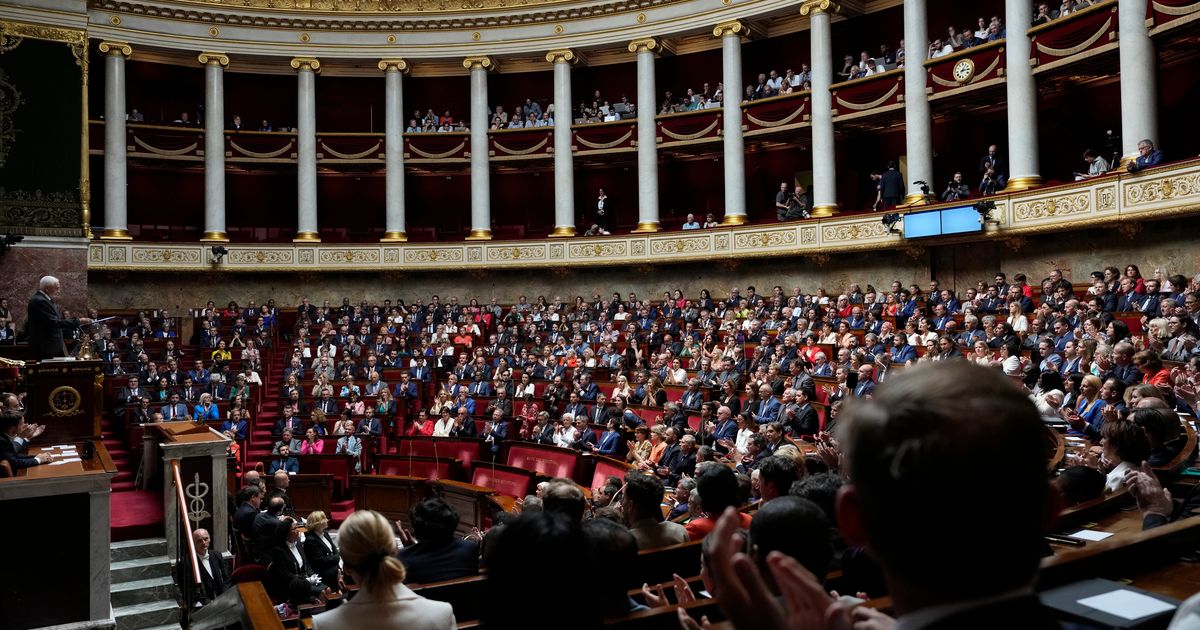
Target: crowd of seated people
x,y
754,368
432,123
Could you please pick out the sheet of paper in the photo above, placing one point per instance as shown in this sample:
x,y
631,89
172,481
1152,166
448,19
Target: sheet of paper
x,y
1126,604
1091,534
61,446
66,461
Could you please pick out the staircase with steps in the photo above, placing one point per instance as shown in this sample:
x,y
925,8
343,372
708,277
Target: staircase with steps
x,y
143,594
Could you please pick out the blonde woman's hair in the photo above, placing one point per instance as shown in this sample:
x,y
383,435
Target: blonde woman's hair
x,y
317,521
368,547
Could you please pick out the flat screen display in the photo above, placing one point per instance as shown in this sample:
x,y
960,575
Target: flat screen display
x,y
922,224
960,220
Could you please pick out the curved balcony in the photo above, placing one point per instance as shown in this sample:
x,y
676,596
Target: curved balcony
x,y
1167,191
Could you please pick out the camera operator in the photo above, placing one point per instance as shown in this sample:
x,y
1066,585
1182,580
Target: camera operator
x,y
957,189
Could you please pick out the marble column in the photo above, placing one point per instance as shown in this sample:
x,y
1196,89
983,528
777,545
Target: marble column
x,y
481,200
824,188
116,208
214,146
306,149
564,161
647,135
394,226
731,118
1139,80
1023,170
918,123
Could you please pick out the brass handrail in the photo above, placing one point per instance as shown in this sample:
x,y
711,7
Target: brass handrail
x,y
187,525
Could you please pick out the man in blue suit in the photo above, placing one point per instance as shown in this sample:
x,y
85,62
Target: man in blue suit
x,y
866,381
767,409
1147,156
284,462
901,352
725,428
495,432
370,425
175,410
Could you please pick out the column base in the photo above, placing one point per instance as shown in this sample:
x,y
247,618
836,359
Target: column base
x,y
214,237
394,237
1017,184
734,219
480,235
307,237
915,199
563,231
116,234
644,227
826,210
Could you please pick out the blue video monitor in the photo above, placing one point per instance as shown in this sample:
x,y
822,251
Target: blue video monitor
x,y
960,220
922,224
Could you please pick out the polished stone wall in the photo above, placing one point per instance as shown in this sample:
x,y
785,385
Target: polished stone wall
x,y
1151,245
26,263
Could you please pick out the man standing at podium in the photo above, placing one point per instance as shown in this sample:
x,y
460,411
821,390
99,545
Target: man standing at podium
x,y
45,324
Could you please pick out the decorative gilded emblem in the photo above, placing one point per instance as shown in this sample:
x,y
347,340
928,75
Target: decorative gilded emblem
x,y
10,100
196,491
964,71
65,401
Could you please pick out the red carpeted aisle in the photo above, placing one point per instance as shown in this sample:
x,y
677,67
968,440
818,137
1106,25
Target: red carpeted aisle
x,y
136,514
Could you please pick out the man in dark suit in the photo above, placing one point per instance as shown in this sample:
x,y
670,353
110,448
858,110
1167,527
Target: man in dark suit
x,y
248,498
45,324
431,552
682,462
284,462
263,527
801,418
14,438
130,395
214,575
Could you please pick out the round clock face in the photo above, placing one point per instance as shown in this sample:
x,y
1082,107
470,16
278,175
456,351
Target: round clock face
x,y
64,401
964,70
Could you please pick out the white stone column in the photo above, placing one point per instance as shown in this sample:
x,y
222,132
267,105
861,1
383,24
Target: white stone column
x,y
481,185
1139,79
824,188
394,224
214,146
731,118
116,193
647,135
564,160
306,149
918,124
1023,170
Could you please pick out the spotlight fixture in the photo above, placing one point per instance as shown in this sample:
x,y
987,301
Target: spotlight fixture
x,y
218,252
890,220
984,208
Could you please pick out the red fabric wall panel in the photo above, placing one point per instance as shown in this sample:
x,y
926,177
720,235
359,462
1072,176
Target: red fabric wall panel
x,y
258,96
173,197
350,104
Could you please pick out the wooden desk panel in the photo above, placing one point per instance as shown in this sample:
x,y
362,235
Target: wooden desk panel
x,y
391,495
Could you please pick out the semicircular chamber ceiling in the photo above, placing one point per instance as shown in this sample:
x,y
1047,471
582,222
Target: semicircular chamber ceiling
x,y
416,28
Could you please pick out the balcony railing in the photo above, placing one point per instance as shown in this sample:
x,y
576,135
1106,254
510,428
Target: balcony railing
x,y
1172,190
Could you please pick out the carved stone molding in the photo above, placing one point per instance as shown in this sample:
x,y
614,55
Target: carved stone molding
x,y
217,58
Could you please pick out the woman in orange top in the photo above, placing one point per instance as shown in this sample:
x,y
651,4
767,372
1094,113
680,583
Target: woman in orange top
x,y
421,425
1153,372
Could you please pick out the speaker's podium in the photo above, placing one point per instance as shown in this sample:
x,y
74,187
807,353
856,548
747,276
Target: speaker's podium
x,y
56,515
194,481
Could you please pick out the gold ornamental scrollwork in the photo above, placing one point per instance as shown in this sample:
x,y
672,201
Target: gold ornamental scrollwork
x,y
65,401
399,65
1163,189
306,63
816,7
647,44
485,62
214,58
564,55
732,27
115,48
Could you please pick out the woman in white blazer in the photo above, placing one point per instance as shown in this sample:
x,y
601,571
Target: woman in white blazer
x,y
383,602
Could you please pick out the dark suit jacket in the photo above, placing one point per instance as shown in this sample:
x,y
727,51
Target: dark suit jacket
x,y
324,560
11,454
243,519
435,562
211,584
287,580
45,326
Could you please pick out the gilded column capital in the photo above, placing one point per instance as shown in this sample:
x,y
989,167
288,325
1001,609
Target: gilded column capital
x,y
564,55
648,44
484,62
732,27
399,65
214,58
116,48
820,6
306,63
